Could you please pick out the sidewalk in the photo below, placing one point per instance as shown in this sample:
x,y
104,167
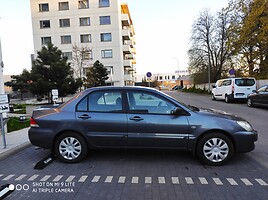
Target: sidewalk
x,y
15,142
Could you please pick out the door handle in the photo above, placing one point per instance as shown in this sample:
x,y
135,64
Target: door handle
x,y
136,118
84,116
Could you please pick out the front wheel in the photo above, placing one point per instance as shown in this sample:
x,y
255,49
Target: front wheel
x,y
71,148
215,149
227,99
250,102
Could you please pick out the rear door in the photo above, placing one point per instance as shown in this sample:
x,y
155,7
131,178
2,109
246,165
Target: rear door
x,y
150,123
243,87
101,117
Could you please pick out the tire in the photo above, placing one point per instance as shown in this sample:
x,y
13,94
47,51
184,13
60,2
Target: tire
x,y
213,97
227,99
70,147
215,149
250,102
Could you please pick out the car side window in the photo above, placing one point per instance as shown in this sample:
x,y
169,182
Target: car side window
x,y
102,101
144,102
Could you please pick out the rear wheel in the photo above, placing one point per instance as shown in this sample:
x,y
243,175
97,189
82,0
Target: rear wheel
x,y
215,149
71,148
227,99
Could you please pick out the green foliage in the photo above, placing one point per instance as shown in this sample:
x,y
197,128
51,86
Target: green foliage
x,y
96,75
196,90
15,124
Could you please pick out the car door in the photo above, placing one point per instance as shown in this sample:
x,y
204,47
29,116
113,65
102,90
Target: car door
x,y
262,96
101,117
151,124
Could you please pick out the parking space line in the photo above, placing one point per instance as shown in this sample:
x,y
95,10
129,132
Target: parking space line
x,y
32,178
8,177
203,180
161,180
20,177
57,178
246,181
231,181
148,180
175,180
261,182
95,179
135,179
45,178
70,179
189,180
82,179
217,181
122,179
108,179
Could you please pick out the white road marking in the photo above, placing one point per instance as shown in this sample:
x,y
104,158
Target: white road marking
x,y
189,180
45,178
95,179
70,179
161,180
108,179
231,181
148,180
57,179
203,180
217,181
261,182
8,177
83,179
135,179
246,181
33,177
20,177
175,180
122,179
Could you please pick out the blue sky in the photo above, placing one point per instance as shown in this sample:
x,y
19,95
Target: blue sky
x,y
162,32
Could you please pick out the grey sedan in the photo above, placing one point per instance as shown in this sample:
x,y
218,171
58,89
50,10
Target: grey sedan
x,y
138,117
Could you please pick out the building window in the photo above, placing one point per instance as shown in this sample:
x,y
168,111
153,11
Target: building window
x,y
87,55
64,22
64,5
45,24
173,77
85,38
104,3
45,40
84,21
43,7
107,53
66,39
106,37
83,4
67,55
104,20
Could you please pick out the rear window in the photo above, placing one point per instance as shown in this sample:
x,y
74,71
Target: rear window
x,y
244,82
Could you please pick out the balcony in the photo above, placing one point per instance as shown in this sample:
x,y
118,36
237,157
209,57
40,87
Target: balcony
x,y
126,34
127,63
126,49
128,77
125,20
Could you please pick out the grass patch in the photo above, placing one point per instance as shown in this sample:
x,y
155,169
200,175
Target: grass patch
x,y
15,124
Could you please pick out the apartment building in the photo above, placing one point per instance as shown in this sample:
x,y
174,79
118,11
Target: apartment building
x,y
103,28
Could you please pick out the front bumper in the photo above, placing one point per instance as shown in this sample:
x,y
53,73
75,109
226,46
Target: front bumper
x,y
245,141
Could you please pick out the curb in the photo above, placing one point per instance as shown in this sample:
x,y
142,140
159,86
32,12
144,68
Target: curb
x,y
14,150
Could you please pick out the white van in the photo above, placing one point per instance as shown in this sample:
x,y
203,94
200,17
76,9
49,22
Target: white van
x,y
231,89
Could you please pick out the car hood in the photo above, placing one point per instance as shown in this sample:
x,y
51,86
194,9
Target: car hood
x,y
219,113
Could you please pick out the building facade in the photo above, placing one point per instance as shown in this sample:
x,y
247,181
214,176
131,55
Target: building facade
x,y
101,29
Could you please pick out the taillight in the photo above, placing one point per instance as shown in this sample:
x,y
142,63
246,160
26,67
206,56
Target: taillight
x,y
33,123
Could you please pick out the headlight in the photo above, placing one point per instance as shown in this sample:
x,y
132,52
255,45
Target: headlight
x,y
245,125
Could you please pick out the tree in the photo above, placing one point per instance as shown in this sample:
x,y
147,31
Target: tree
x,y
208,54
81,59
96,75
249,35
20,83
51,71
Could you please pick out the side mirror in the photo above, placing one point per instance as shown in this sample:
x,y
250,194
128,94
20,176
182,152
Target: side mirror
x,y
178,111
213,86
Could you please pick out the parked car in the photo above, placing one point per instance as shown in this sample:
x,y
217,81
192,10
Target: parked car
x,y
259,97
231,89
138,117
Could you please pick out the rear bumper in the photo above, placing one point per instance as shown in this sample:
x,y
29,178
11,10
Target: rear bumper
x,y
41,137
245,141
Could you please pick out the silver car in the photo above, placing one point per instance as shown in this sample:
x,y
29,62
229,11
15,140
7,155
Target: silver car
x,y
138,117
